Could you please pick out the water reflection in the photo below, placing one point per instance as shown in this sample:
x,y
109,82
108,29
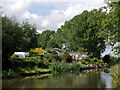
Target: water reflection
x,y
86,79
106,79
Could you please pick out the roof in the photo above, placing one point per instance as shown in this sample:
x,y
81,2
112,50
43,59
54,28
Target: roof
x,y
78,53
60,50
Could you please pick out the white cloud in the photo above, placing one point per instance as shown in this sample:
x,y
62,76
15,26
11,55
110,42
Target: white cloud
x,y
15,8
45,23
55,19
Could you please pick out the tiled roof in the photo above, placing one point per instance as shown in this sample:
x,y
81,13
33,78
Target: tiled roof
x,y
78,53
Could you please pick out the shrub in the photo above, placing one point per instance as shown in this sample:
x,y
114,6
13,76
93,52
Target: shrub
x,y
86,63
100,61
64,67
14,56
92,61
59,67
47,56
107,59
96,63
89,57
54,52
30,52
83,62
75,66
38,50
114,60
95,59
49,51
67,57
57,58
27,62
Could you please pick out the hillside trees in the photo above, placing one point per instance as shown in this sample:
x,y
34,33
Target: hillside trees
x,y
16,37
80,33
44,38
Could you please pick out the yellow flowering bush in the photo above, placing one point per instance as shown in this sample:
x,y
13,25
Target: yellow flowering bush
x,y
38,50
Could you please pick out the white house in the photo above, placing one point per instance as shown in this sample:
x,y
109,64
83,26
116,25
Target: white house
x,y
78,55
22,54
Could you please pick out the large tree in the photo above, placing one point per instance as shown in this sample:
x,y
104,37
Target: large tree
x,y
111,25
16,37
30,35
44,38
80,33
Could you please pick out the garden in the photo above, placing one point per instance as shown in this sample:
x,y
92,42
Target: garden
x,y
47,63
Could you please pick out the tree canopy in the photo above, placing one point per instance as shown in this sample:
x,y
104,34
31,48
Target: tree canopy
x,y
16,37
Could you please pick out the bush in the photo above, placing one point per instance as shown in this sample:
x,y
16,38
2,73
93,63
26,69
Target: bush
x,y
30,52
75,66
86,63
100,61
67,57
47,56
92,61
54,52
14,56
89,57
27,62
38,50
96,63
59,67
57,58
95,59
114,60
107,59
83,62
64,67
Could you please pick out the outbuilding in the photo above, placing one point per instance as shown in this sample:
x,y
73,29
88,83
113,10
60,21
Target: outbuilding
x,y
22,54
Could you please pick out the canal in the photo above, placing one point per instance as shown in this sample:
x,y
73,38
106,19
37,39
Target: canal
x,y
86,79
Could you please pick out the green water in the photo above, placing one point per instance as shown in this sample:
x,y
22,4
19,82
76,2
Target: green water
x,y
86,79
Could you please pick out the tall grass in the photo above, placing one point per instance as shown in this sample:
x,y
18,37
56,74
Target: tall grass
x,y
64,67
115,73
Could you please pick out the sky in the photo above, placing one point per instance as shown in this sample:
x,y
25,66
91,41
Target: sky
x,y
49,14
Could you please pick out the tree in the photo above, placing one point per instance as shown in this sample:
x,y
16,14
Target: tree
x,y
80,33
107,59
44,38
12,37
111,26
16,37
30,35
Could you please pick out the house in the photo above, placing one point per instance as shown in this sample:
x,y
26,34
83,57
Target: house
x,y
22,54
78,55
59,51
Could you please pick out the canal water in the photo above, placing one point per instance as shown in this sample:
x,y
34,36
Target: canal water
x,y
85,79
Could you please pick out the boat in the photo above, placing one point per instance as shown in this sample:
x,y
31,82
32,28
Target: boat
x,y
107,70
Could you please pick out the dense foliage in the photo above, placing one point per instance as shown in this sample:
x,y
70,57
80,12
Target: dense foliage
x,y
86,32
110,26
44,38
78,34
16,37
64,67
27,62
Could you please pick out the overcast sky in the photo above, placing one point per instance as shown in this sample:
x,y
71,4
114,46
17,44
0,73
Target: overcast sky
x,y
49,14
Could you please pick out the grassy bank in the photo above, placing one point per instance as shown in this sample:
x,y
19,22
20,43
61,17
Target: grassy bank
x,y
115,73
47,63
13,73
